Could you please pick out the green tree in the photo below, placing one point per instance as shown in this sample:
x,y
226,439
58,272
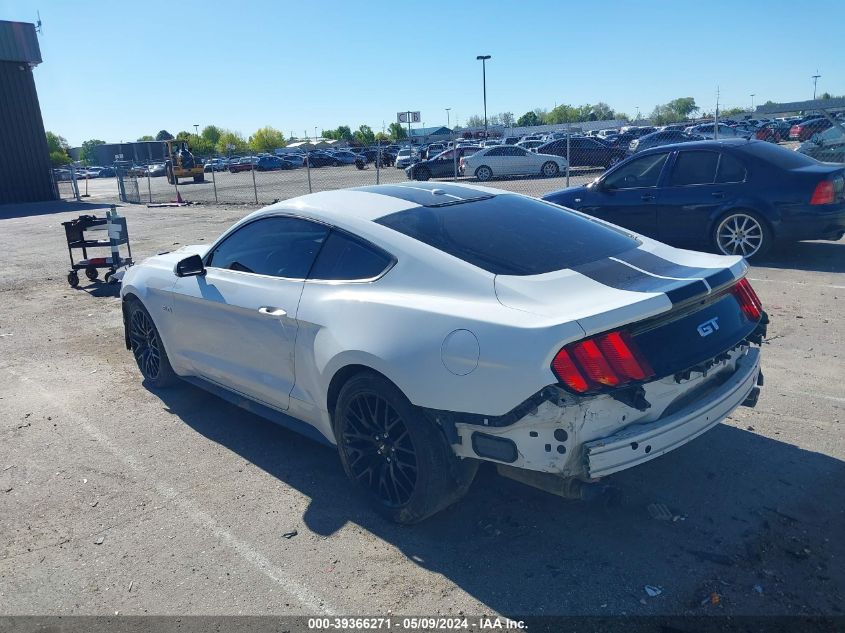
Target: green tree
x,y
732,111
528,119
230,143
266,139
146,137
184,135
397,131
381,136
58,148
201,146
211,133
86,153
475,121
164,135
364,135
563,113
342,133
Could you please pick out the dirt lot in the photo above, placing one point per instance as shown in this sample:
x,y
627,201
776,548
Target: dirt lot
x,y
114,498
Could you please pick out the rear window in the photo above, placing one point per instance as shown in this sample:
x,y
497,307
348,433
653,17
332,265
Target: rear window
x,y
346,258
511,235
779,156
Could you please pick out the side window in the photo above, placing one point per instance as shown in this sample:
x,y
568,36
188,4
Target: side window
x,y
730,169
277,246
344,257
694,168
640,172
516,151
497,151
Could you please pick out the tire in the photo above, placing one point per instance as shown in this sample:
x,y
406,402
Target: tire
x,y
550,169
742,232
483,173
147,347
199,178
397,456
422,174
91,272
73,279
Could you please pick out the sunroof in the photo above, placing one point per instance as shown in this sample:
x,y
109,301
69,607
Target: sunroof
x,y
428,194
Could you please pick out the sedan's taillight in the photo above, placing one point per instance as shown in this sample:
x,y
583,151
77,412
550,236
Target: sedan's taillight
x,y
750,303
601,362
824,193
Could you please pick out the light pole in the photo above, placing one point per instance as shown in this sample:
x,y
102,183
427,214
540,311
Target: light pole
x,y
815,79
315,134
753,94
197,130
484,59
447,118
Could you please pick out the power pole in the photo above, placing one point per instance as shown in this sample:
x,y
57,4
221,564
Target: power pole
x,y
815,79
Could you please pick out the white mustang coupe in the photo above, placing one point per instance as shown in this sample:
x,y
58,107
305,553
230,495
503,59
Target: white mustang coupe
x,y
425,327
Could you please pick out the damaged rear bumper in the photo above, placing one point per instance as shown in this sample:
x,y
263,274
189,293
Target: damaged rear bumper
x,y
640,443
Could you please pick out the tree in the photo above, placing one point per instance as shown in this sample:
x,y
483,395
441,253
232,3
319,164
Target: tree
x,y
201,146
211,133
184,135
58,148
266,139
146,137
676,110
342,133
87,152
364,135
381,137
164,135
230,143
528,119
475,121
397,131
732,111
506,118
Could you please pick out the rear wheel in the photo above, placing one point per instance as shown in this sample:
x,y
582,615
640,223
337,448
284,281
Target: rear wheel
x,y
394,453
550,169
742,233
91,272
483,173
422,174
199,178
147,347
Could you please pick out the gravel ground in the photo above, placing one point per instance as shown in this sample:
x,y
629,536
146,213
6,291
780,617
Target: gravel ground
x,y
115,498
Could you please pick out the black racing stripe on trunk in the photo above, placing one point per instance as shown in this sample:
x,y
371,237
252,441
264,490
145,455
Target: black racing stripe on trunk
x,y
658,266
618,275
421,193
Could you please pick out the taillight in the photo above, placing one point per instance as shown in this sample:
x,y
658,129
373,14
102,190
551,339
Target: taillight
x,y
600,362
824,193
750,303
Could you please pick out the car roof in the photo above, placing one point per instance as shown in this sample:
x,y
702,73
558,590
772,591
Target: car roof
x,y
707,144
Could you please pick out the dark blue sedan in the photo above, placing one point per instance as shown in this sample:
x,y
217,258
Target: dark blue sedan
x,y
737,196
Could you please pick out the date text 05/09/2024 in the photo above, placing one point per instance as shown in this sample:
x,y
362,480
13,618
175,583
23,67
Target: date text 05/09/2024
x,y
392,623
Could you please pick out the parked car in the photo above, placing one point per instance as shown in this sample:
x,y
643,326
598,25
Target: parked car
x,y
511,140
242,164
511,160
441,166
708,130
804,130
156,169
530,145
827,146
215,164
736,196
774,132
61,174
405,157
345,157
459,326
585,152
272,163
655,139
611,131
319,158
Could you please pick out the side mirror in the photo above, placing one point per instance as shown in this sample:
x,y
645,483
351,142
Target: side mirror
x,y
190,267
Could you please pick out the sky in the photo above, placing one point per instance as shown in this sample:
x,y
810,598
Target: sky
x,y
117,70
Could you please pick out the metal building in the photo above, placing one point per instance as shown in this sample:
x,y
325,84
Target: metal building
x,y
25,174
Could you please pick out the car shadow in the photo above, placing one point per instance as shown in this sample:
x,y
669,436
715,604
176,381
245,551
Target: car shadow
x,y
743,510
810,256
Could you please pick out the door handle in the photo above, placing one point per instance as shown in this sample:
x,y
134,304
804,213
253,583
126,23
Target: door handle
x,y
718,194
271,311
647,197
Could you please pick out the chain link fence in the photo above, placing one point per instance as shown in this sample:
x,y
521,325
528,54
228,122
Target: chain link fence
x,y
533,161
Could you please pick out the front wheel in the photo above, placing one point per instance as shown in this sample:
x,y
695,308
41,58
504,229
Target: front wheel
x,y
147,347
91,272
394,453
199,178
742,233
422,174
550,169
483,173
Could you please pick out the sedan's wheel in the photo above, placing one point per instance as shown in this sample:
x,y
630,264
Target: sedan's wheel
x,y
484,173
394,453
550,169
742,233
147,347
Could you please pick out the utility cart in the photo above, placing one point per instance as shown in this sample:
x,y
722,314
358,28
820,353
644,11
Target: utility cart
x,y
116,236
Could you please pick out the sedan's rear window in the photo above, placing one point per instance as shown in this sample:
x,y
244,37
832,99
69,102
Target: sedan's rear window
x,y
511,235
780,156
